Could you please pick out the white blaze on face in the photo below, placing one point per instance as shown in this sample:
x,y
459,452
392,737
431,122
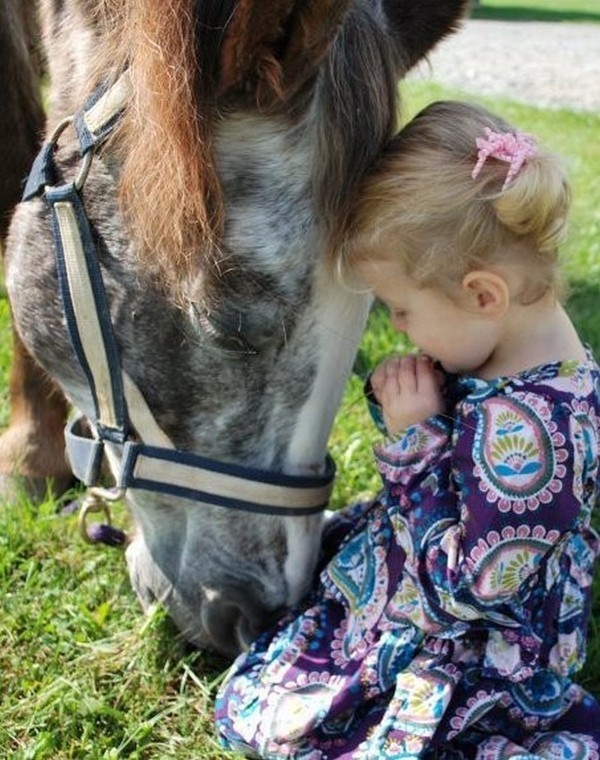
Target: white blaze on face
x,y
340,317
303,543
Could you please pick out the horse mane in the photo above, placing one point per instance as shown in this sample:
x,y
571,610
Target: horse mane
x,y
169,188
358,112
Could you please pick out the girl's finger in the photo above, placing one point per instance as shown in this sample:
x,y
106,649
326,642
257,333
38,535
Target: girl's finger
x,y
425,374
406,374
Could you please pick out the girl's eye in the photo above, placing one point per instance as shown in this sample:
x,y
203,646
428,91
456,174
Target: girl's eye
x,y
399,320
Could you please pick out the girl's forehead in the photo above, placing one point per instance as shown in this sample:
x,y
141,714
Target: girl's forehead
x,y
389,281
390,277
382,263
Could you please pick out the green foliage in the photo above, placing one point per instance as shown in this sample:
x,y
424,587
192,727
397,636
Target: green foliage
x,y
82,673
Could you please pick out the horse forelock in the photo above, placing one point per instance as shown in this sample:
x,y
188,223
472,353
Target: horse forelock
x,y
170,192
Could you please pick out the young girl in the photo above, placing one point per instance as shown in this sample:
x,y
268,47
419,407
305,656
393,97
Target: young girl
x,y
453,615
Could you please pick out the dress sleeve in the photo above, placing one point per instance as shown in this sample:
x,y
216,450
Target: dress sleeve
x,y
478,512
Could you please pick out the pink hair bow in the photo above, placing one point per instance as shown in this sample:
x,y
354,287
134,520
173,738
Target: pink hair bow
x,y
514,148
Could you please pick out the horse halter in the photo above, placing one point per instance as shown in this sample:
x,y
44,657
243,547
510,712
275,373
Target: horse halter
x,y
147,459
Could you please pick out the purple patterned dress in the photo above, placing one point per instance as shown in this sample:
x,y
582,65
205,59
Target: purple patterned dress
x,y
452,614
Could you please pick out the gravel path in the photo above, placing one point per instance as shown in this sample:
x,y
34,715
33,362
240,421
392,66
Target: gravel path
x,y
551,64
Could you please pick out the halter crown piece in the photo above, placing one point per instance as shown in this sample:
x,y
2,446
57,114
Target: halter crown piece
x,y
514,148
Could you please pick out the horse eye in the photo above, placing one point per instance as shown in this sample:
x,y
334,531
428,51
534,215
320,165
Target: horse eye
x,y
236,342
223,335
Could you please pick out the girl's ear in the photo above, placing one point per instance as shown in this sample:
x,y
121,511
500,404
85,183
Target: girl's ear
x,y
486,293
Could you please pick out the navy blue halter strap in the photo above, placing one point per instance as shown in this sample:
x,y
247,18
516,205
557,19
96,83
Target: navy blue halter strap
x,y
148,460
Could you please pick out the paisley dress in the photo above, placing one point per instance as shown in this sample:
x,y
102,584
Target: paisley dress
x,y
451,613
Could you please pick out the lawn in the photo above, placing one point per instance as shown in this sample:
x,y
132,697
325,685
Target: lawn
x,y
82,674
538,10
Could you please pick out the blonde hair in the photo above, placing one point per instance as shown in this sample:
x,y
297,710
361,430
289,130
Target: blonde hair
x,y
420,204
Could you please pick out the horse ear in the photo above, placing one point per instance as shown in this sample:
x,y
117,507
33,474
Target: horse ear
x,y
314,29
272,49
418,26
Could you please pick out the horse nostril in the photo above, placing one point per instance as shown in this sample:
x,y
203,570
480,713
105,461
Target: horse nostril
x,y
230,626
272,618
245,633
248,629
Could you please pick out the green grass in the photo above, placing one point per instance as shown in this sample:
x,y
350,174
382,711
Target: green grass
x,y
538,10
82,673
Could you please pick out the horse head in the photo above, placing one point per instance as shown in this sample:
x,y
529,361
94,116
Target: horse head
x,y
211,208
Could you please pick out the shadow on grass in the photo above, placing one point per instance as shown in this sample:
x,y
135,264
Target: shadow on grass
x,y
168,645
525,13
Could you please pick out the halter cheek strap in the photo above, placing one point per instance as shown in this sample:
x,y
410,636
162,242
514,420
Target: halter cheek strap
x,y
147,459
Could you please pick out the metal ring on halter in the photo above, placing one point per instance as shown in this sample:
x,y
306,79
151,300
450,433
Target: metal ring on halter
x,y
87,159
85,170
96,501
53,139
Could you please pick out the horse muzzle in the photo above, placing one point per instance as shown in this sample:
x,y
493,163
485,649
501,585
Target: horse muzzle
x,y
223,620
